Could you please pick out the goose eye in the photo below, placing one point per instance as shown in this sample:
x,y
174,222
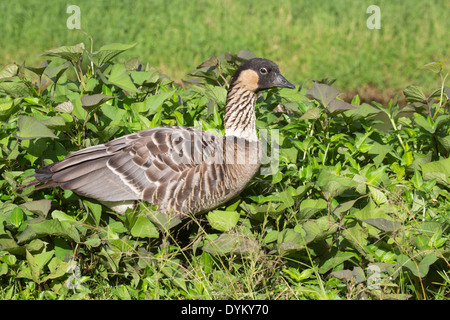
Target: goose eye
x,y
263,70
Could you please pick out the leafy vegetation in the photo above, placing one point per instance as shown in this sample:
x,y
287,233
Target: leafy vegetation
x,y
358,207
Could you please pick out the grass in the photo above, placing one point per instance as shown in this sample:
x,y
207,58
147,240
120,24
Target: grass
x,y
310,40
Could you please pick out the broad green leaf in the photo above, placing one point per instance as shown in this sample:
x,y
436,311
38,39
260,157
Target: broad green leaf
x,y
7,109
439,170
311,114
320,228
92,101
309,207
336,106
382,224
141,77
245,55
444,142
144,228
30,128
107,52
61,216
62,248
223,220
9,71
231,242
57,267
218,94
323,92
417,179
419,269
15,89
54,123
95,209
271,236
163,221
70,53
39,228
414,94
290,240
39,70
357,274
35,271
153,103
333,185
424,123
54,73
120,77
66,106
335,260
16,217
378,195
43,258
372,211
434,67
364,111
356,236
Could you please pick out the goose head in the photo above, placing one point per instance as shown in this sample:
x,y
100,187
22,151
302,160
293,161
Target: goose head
x,y
259,74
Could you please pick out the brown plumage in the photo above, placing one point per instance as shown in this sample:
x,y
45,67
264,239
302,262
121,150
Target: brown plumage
x,y
182,170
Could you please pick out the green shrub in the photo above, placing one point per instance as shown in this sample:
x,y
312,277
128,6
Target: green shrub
x,y
358,206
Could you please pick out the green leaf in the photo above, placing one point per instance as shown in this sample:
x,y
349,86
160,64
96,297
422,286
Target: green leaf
x,y
223,220
70,53
15,89
357,274
434,67
107,52
120,77
323,92
61,216
424,123
231,242
39,70
16,217
290,240
383,224
320,228
7,109
144,228
439,170
96,210
336,106
30,128
417,179
40,207
92,101
153,103
364,111
39,228
9,71
414,94
309,207
419,270
333,185
54,73
377,195
335,260
311,114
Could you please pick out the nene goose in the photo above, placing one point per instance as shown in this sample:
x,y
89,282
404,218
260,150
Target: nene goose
x,y
182,170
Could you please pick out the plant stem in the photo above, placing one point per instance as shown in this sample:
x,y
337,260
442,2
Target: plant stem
x,y
442,94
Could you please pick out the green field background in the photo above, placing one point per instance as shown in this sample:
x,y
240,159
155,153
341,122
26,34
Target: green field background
x,y
308,39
